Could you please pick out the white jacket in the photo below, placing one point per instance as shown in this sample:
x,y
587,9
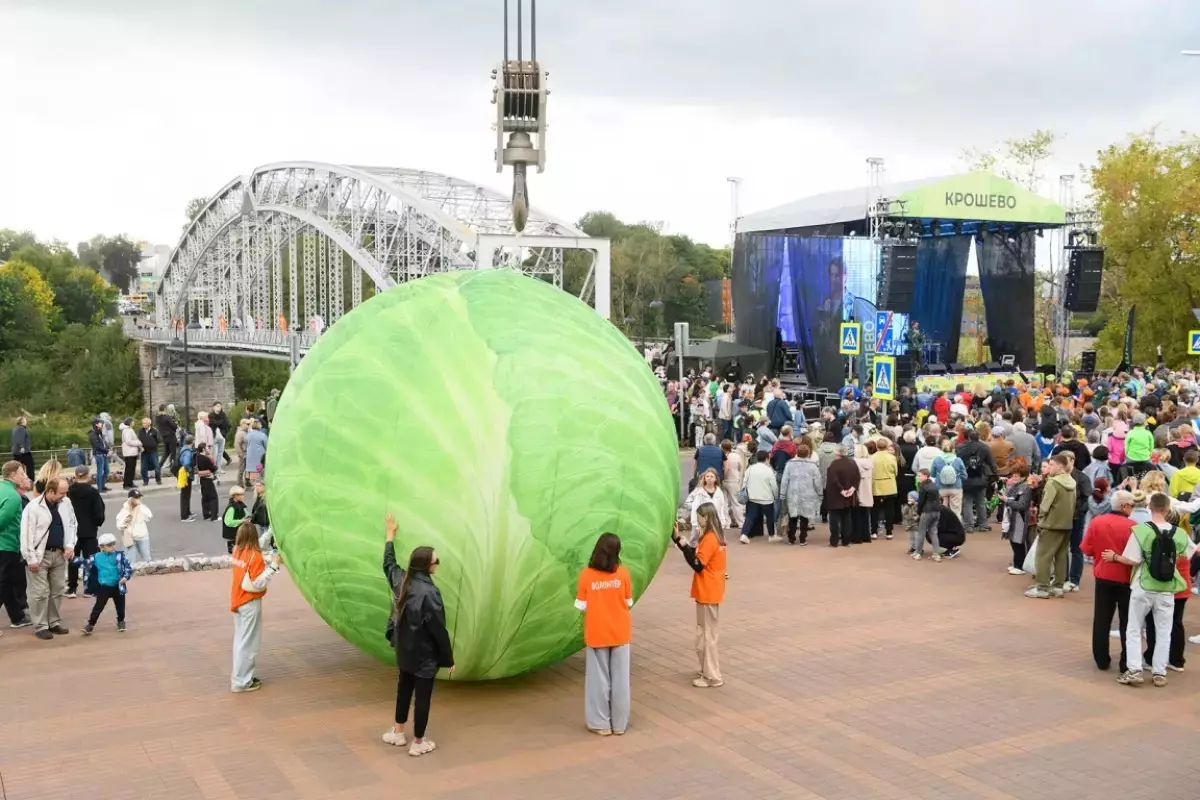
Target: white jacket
x,y
35,528
130,444
700,496
131,522
204,435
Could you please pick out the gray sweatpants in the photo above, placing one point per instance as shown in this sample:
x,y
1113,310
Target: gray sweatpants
x,y
606,688
247,629
928,524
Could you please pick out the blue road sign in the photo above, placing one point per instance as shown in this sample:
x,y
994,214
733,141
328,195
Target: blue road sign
x,y
851,339
885,378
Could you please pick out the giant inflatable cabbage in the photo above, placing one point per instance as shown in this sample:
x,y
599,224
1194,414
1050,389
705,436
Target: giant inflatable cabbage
x,y
502,422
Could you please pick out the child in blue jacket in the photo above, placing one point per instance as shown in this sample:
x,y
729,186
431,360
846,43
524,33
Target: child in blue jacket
x,y
106,574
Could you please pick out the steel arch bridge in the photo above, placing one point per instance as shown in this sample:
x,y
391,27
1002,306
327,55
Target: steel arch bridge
x,y
279,255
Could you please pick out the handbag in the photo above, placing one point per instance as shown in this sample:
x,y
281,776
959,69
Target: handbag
x,y
743,495
1030,564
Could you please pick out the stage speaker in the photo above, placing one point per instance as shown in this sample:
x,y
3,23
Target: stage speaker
x,y
899,278
936,369
992,366
1083,280
958,369
1087,361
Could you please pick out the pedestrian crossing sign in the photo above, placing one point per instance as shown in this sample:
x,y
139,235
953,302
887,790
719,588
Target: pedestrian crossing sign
x,y
851,339
885,378
1194,343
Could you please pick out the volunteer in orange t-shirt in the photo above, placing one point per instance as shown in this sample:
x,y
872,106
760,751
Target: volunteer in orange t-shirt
x,y
707,559
605,597
251,574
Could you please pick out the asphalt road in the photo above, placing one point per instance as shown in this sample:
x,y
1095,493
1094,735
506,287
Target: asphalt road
x,y
169,536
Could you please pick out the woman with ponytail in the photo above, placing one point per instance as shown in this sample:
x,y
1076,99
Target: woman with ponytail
x,y
417,631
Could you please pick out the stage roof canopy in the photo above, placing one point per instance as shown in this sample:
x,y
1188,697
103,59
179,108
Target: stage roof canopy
x,y
973,196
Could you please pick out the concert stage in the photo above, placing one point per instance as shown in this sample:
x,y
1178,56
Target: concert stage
x,y
806,267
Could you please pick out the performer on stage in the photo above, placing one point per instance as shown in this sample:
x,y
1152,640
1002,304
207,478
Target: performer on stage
x,y
916,347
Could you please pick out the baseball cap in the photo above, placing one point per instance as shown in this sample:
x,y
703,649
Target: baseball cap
x,y
106,539
135,492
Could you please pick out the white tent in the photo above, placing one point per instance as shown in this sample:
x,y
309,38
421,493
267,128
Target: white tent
x,y
830,208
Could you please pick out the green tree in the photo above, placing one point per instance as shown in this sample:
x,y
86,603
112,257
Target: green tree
x,y
1147,194
193,209
81,295
114,256
254,378
23,325
11,241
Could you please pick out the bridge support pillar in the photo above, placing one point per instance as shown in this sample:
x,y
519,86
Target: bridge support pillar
x,y
168,378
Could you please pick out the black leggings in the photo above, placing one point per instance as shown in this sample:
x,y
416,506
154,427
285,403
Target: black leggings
x,y
423,688
1019,552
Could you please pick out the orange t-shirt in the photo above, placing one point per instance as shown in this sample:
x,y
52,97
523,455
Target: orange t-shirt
x,y
245,561
708,585
605,598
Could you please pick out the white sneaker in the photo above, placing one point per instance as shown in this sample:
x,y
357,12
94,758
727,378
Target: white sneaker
x,y
1194,639
393,738
916,556
422,747
1196,590
1117,635
773,539
744,539
1015,571
1070,587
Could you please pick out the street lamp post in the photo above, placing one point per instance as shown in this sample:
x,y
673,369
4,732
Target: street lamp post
x,y
187,385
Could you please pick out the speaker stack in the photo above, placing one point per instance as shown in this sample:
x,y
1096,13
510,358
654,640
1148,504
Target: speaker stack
x,y
1084,271
899,278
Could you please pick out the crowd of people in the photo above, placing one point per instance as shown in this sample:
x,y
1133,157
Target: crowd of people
x,y
51,543
1075,470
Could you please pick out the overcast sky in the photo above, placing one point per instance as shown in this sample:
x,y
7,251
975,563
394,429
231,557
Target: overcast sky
x,y
117,112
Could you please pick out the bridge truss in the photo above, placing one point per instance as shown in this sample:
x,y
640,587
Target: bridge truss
x,y
290,248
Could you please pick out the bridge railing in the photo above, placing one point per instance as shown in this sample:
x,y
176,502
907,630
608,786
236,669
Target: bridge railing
x,y
229,338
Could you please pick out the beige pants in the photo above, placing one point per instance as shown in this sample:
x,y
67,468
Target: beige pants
x,y
952,498
46,588
706,640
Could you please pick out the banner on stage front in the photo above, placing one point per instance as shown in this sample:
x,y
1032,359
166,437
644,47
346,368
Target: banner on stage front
x,y
885,378
851,339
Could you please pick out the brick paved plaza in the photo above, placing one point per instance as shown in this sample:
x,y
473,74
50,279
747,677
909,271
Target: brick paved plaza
x,y
850,675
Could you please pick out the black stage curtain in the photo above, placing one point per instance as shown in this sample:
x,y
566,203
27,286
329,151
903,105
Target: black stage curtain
x,y
757,261
1006,279
938,289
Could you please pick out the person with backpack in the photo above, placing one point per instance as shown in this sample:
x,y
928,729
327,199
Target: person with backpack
x,y
186,478
949,471
1056,515
1153,551
981,468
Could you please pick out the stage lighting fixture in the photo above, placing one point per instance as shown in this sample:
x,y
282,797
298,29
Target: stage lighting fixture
x,y
936,228
958,227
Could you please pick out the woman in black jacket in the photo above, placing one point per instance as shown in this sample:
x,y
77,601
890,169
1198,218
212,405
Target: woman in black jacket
x,y
417,630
